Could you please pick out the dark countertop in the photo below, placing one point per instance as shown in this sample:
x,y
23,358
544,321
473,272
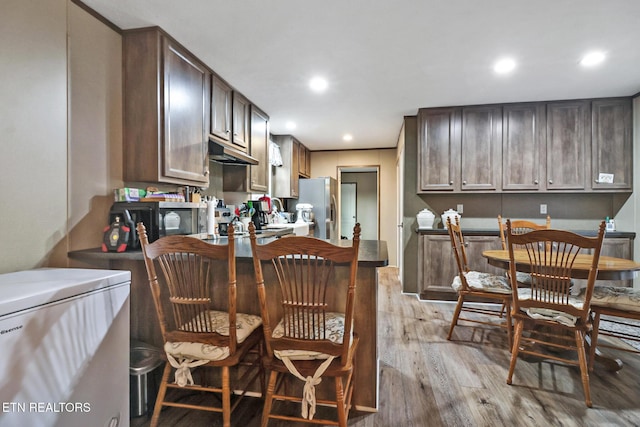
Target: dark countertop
x,y
372,253
496,232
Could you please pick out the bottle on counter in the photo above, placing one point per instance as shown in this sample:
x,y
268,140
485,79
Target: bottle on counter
x,y
610,224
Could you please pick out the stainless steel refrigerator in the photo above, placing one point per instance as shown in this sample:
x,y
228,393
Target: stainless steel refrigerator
x,y
322,194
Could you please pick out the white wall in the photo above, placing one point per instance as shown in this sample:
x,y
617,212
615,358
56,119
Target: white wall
x,y
60,126
326,163
95,128
33,128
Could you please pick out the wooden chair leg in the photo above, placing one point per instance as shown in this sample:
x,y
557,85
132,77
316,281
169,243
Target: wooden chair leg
x,y
456,314
340,403
268,401
593,345
515,349
263,372
509,325
226,398
584,371
162,391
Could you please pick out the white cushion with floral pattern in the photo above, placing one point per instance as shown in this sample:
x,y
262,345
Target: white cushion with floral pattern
x,y
219,321
483,282
334,331
620,298
548,314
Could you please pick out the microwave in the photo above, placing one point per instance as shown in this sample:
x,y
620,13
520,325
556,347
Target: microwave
x,y
160,219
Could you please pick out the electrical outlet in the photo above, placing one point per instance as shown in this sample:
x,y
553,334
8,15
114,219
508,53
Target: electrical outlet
x,y
543,209
460,208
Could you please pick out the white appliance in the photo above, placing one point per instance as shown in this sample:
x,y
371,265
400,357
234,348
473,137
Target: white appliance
x,y
321,193
64,335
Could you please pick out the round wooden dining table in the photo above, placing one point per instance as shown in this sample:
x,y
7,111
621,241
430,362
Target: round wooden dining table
x,y
609,268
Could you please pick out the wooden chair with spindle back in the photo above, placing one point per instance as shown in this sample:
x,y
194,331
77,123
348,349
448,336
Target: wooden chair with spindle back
x,y
546,314
307,304
195,324
520,226
477,285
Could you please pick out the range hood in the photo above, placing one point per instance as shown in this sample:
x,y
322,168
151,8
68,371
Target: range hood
x,y
224,153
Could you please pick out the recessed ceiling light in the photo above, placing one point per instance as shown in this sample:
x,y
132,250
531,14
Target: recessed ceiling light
x,y
504,66
290,125
592,58
318,84
347,137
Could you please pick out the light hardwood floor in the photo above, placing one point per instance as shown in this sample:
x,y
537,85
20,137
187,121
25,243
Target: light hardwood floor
x,y
426,380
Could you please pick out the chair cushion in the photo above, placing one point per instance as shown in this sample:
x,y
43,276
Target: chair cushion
x,y
483,282
548,314
523,278
219,320
335,333
620,298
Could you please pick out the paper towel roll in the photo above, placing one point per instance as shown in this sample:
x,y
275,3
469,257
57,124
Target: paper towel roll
x,y
211,218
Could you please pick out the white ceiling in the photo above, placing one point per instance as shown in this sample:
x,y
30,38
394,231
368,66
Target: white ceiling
x,y
384,59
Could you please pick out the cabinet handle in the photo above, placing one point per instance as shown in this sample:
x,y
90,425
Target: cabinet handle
x,y
235,134
550,181
535,182
596,181
464,182
450,182
227,131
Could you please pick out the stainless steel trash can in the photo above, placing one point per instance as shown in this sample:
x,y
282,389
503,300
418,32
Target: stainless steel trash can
x,y
143,360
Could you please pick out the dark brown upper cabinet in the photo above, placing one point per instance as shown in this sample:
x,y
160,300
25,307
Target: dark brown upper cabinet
x,y
567,138
260,150
221,106
240,120
166,102
481,147
438,149
611,144
523,133
556,146
459,149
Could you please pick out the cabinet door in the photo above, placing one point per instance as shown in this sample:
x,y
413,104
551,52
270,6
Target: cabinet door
x,y
618,247
436,267
220,109
522,142
567,145
295,167
611,145
475,245
438,149
241,115
304,168
259,150
186,84
481,148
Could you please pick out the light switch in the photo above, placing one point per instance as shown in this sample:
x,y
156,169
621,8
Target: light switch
x,y
543,209
460,208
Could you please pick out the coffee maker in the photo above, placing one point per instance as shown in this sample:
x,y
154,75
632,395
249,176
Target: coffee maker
x,y
260,217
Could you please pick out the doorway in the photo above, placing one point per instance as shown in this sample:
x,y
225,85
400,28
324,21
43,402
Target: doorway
x,y
359,199
348,208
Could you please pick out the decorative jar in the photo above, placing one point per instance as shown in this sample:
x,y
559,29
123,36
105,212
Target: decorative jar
x,y
449,214
425,218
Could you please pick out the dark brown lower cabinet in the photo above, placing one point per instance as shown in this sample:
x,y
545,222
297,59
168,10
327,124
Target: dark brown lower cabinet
x,y
437,265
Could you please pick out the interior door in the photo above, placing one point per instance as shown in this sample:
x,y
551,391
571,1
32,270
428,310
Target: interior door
x,y
348,211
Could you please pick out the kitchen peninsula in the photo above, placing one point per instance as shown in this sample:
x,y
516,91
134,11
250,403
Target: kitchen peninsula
x,y
372,254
